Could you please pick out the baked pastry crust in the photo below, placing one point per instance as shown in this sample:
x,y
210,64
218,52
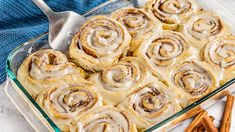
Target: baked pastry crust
x,y
220,55
46,69
106,118
171,12
138,23
162,51
191,80
203,27
66,102
150,104
118,80
102,40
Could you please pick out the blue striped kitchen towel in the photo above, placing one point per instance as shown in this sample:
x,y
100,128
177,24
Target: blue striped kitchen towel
x,y
21,20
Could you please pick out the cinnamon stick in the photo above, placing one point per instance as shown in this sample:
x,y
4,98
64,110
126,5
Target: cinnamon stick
x,y
201,128
208,124
212,118
195,129
226,121
196,121
188,115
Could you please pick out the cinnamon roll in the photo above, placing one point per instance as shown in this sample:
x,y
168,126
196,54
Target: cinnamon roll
x,y
103,119
99,43
192,80
150,104
118,80
220,54
65,103
138,23
172,12
45,69
203,27
162,51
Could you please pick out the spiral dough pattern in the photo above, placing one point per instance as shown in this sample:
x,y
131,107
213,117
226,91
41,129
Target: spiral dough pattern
x,y
99,43
104,119
151,102
68,102
49,64
221,52
123,75
45,69
138,23
204,26
162,51
165,48
193,79
173,11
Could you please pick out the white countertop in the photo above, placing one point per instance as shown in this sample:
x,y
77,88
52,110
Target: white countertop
x,y
11,120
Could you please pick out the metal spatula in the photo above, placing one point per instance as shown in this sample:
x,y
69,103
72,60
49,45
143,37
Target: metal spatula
x,y
62,26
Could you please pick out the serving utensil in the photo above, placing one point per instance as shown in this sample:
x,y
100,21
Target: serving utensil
x,y
62,26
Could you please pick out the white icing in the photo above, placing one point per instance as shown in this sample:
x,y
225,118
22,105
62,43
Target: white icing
x,y
174,10
105,117
123,75
41,68
158,102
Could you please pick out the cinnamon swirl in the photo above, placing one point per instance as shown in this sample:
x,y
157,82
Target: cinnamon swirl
x,y
45,69
220,54
172,12
203,27
162,51
150,104
103,119
65,103
138,23
102,42
192,80
118,80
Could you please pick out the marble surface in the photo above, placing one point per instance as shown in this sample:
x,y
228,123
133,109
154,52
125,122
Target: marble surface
x,y
11,120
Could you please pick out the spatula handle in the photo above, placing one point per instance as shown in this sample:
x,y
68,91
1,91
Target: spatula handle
x,y
44,7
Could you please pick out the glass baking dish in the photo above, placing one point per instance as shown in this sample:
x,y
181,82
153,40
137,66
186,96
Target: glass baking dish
x,y
39,119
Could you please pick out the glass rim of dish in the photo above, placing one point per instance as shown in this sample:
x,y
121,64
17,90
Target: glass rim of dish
x,y
11,74
19,85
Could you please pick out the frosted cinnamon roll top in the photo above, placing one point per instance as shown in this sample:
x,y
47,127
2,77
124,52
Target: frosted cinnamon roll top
x,y
47,68
203,27
99,43
194,79
138,23
67,102
49,64
106,118
150,104
63,104
118,80
163,50
220,53
171,12
123,75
